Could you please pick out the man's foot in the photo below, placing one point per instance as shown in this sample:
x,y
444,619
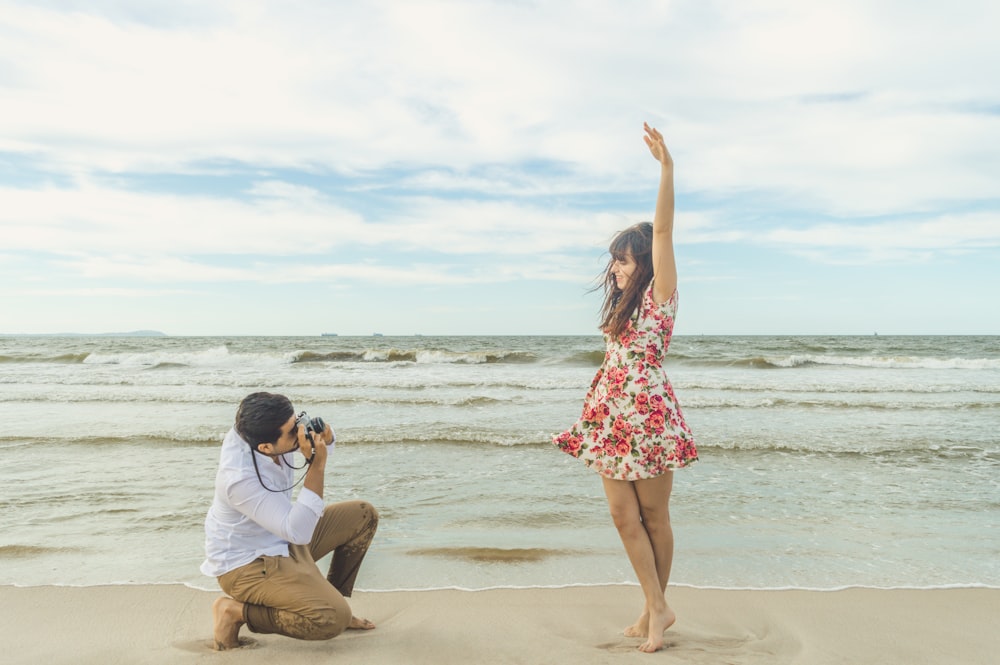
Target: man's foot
x,y
659,621
357,623
228,618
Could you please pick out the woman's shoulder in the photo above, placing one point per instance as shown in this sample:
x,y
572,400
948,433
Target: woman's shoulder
x,y
649,303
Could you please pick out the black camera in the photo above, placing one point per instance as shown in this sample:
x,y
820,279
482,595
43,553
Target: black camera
x,y
310,425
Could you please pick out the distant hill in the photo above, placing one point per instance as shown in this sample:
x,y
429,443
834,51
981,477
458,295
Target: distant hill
x,y
134,333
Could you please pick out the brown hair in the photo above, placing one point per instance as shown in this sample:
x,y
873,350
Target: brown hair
x,y
619,305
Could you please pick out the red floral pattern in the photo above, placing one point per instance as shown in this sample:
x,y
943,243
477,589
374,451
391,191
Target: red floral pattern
x,y
632,426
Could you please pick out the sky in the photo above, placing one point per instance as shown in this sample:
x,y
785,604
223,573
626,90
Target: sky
x,y
458,167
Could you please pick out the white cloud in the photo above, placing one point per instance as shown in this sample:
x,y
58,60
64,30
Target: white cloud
x,y
99,219
972,231
365,85
485,142
282,219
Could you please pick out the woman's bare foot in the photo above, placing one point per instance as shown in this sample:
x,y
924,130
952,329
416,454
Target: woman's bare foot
x,y
659,621
357,623
641,626
228,618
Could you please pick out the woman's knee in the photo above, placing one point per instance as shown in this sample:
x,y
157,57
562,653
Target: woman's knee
x,y
625,520
656,519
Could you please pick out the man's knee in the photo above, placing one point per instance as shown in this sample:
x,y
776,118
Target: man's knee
x,y
369,510
327,628
365,514
358,508
331,621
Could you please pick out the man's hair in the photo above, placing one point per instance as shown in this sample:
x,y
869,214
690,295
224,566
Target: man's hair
x,y
260,417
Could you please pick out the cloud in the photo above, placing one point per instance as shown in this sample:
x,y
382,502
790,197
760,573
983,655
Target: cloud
x,y
972,231
95,218
281,219
485,142
751,95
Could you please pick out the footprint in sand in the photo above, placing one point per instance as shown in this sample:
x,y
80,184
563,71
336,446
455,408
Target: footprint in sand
x,y
200,646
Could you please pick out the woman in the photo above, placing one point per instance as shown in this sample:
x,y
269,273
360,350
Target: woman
x,y
632,431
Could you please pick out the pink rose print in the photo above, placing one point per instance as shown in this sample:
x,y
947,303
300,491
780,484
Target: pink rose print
x,y
631,426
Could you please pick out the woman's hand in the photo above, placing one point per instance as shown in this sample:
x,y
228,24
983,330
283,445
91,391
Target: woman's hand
x,y
654,139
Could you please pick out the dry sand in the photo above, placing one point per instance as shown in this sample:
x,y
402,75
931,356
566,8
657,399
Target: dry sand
x,y
579,625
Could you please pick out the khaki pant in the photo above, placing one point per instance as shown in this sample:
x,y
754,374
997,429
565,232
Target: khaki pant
x,y
289,595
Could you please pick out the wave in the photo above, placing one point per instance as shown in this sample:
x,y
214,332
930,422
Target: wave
x,y
210,357
201,585
910,451
29,551
698,383
905,452
587,358
110,441
493,554
222,355
47,395
792,361
422,356
64,358
887,404
485,351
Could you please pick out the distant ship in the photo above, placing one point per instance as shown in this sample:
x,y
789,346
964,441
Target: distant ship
x,y
328,334
376,334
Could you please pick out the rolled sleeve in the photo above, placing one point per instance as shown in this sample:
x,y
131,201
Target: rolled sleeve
x,y
310,499
294,522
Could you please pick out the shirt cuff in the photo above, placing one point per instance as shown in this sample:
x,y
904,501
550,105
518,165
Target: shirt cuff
x,y
312,501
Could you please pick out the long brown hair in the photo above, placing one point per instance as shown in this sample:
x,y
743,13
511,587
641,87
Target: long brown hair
x,y
619,305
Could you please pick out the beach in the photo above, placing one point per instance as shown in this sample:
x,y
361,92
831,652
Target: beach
x,y
843,510
171,624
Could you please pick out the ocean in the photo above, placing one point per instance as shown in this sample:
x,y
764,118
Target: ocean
x,y
825,461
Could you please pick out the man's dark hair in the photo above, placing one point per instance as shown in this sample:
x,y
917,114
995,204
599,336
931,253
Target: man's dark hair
x,y
260,417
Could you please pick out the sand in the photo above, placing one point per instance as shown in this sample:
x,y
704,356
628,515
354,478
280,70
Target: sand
x,y
172,624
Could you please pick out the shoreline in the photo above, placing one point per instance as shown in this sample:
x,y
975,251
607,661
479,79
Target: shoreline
x,y
171,623
540,587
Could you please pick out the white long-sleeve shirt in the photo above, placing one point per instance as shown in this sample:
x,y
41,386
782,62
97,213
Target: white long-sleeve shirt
x,y
247,521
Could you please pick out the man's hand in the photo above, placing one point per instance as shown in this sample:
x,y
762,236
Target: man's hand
x,y
315,443
317,468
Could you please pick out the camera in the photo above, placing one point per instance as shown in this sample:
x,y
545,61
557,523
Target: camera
x,y
310,425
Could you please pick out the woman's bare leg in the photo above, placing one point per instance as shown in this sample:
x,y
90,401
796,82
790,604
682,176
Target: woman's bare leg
x,y
654,506
640,511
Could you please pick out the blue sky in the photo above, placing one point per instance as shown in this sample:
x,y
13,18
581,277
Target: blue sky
x,y
458,167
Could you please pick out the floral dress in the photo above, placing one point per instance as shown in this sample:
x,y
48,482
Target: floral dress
x,y
632,427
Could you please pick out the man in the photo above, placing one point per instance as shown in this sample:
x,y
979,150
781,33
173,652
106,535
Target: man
x,y
263,547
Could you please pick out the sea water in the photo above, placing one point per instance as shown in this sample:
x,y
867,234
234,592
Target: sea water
x,y
825,461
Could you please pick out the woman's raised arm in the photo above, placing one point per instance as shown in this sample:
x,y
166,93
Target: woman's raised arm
x,y
664,266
